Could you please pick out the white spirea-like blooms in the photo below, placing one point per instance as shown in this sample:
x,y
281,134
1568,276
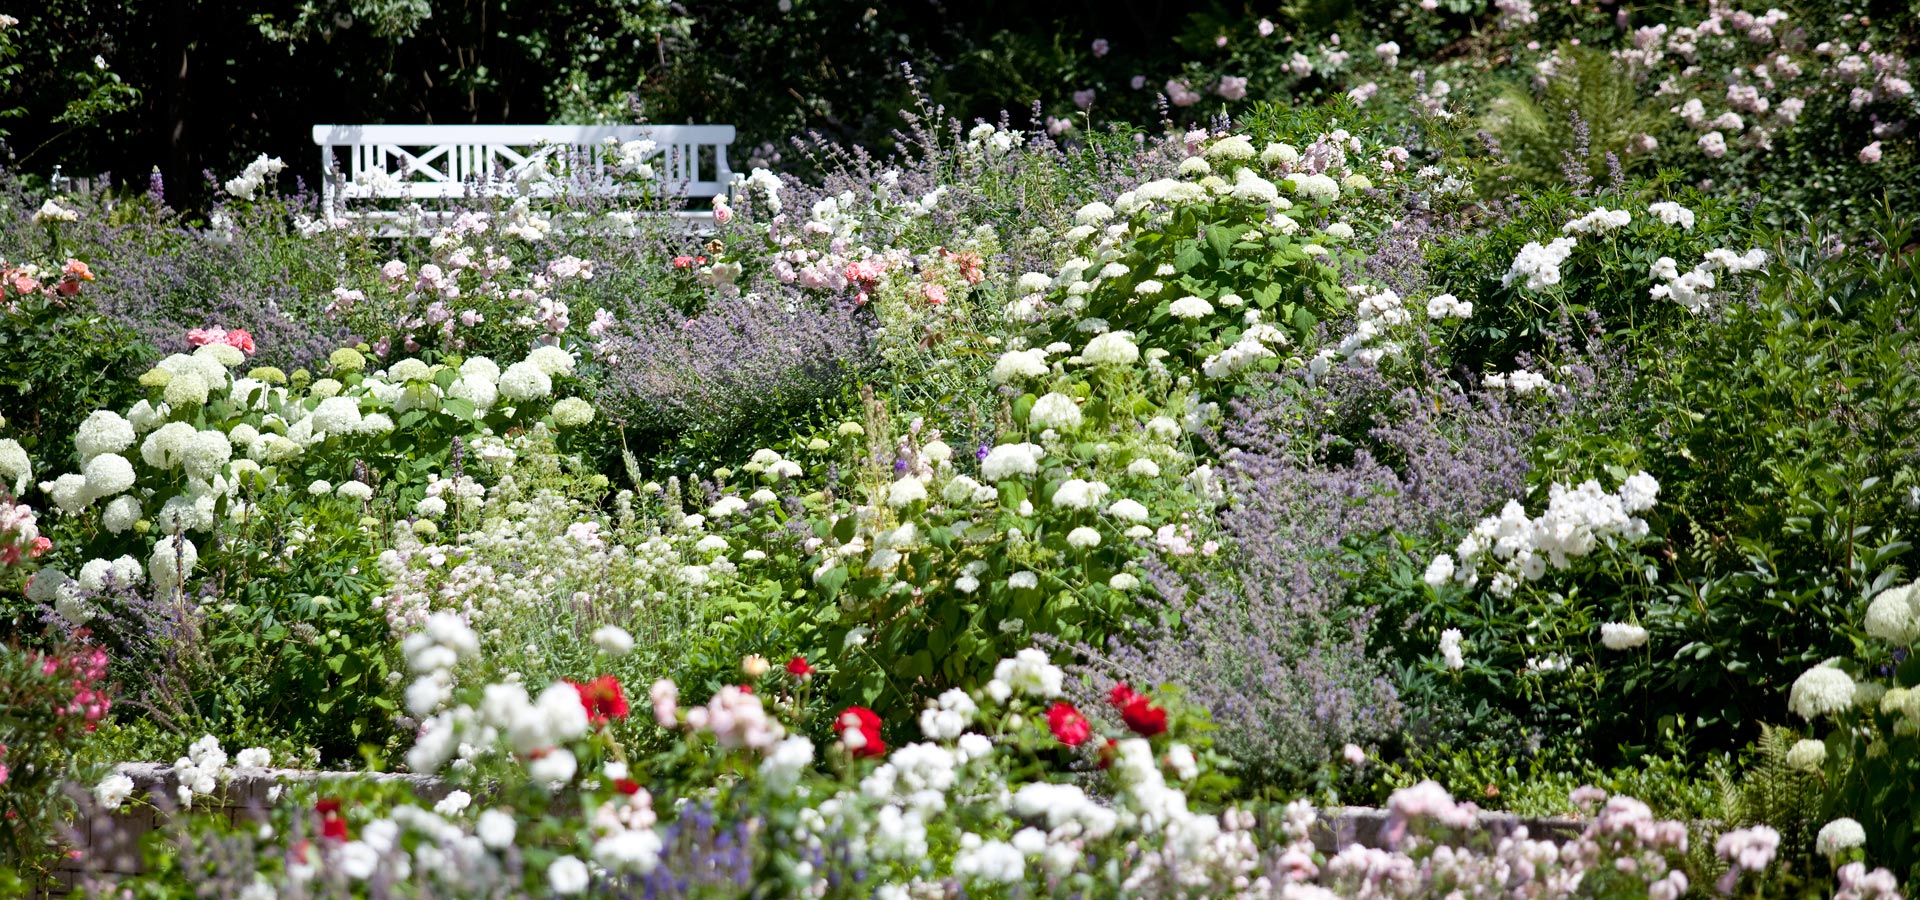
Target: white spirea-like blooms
x,y
496,829
205,454
1019,364
103,432
1671,213
1539,266
1577,521
1321,189
409,370
479,391
1450,649
187,389
1095,213
1600,221
1007,460
1622,636
1440,571
1839,836
480,367
336,415
524,381
1820,691
1056,411
1029,672
1448,306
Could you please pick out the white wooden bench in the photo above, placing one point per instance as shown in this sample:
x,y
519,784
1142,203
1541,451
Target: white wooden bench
x,y
449,162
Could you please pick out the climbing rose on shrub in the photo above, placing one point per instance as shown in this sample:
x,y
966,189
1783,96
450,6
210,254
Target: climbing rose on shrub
x,y
1138,711
859,730
1068,724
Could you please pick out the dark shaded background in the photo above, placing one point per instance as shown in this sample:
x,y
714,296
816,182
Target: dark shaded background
x,y
217,88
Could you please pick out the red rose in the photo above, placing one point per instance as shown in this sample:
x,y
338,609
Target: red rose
x,y
1143,717
866,740
239,340
603,699
627,786
333,826
1068,725
682,262
798,668
1138,711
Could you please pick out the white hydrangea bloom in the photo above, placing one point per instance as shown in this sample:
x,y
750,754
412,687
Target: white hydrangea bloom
x,y
1189,308
1056,411
1114,348
524,381
552,360
1016,364
1820,691
103,432
108,474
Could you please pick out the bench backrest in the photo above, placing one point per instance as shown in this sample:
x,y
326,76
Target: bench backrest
x,y
444,161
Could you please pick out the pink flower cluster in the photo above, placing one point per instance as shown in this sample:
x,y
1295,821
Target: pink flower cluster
x,y
235,338
19,533
30,279
735,716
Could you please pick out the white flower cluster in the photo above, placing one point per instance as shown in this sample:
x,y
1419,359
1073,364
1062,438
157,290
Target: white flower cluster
x,y
1576,523
1673,214
1894,615
256,174
1600,221
1690,289
203,770
1447,306
1539,266
1622,636
1255,343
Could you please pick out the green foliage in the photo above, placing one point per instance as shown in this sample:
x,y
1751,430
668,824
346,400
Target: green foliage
x,y
1772,792
1606,276
60,359
1584,111
1782,430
